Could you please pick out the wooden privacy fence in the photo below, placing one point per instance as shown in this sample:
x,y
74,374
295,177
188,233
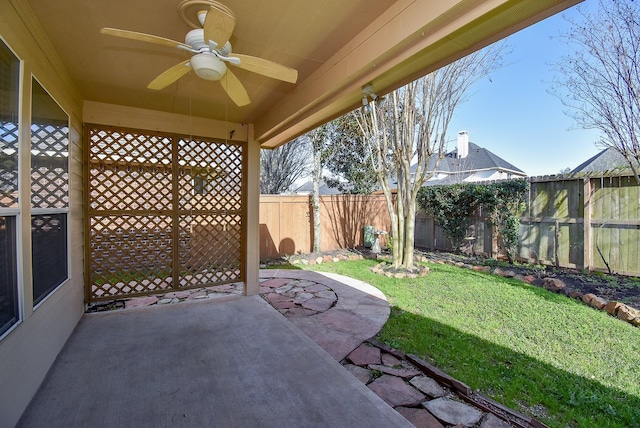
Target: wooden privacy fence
x,y
480,241
286,222
583,222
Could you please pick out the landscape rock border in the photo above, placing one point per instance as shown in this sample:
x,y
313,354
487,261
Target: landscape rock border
x,y
314,258
555,285
385,268
425,395
616,309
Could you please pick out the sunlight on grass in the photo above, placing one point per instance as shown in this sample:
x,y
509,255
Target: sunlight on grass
x,y
540,353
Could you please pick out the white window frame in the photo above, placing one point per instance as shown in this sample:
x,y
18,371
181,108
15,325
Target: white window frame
x,y
44,211
16,212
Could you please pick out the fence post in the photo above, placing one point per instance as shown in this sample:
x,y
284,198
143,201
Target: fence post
x,y
587,230
556,243
433,234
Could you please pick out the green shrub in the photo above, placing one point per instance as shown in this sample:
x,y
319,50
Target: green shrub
x,y
453,205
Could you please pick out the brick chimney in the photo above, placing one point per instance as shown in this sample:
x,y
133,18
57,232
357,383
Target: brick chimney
x,y
463,144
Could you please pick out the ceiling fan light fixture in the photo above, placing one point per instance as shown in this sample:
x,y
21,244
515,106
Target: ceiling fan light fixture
x,y
195,38
202,14
208,42
207,66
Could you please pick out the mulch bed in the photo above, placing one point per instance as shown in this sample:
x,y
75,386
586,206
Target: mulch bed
x,y
618,288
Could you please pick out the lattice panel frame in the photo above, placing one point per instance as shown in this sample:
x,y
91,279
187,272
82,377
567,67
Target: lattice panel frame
x,y
124,188
49,166
210,175
211,252
163,212
130,147
130,255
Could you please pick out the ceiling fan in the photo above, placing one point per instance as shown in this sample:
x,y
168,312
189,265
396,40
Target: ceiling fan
x,y
213,25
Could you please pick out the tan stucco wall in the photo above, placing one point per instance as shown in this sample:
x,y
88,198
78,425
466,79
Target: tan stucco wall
x,y
27,352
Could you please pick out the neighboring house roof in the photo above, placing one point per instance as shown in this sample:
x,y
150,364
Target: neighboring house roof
x,y
478,159
606,160
449,179
324,189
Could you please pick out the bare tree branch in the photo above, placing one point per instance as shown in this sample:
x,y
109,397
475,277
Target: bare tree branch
x,y
281,167
600,78
410,125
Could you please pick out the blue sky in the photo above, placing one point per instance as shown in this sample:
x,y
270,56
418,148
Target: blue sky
x,y
513,114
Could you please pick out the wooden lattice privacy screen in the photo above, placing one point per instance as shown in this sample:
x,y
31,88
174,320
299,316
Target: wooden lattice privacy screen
x,y
164,212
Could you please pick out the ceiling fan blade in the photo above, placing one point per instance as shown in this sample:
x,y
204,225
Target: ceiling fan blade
x,y
143,37
170,76
218,26
234,89
267,68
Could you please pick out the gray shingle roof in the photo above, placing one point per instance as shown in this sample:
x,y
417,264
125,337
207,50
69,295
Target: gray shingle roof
x,y
478,158
324,189
606,160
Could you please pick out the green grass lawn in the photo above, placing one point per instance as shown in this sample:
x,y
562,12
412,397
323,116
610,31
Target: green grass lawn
x,y
539,353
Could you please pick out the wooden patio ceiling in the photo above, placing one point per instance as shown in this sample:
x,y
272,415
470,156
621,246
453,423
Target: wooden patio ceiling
x,y
337,46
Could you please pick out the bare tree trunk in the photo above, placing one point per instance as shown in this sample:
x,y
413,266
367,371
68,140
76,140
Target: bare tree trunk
x,y
402,206
398,255
315,199
410,125
393,216
281,167
410,225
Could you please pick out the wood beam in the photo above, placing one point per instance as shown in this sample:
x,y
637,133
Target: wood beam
x,y
413,38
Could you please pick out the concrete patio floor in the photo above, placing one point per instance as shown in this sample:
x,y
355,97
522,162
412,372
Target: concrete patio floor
x,y
227,362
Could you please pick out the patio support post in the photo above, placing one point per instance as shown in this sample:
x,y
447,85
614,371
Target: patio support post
x,y
252,218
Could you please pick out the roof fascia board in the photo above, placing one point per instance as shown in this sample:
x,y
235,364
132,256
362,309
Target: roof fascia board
x,y
411,39
137,118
